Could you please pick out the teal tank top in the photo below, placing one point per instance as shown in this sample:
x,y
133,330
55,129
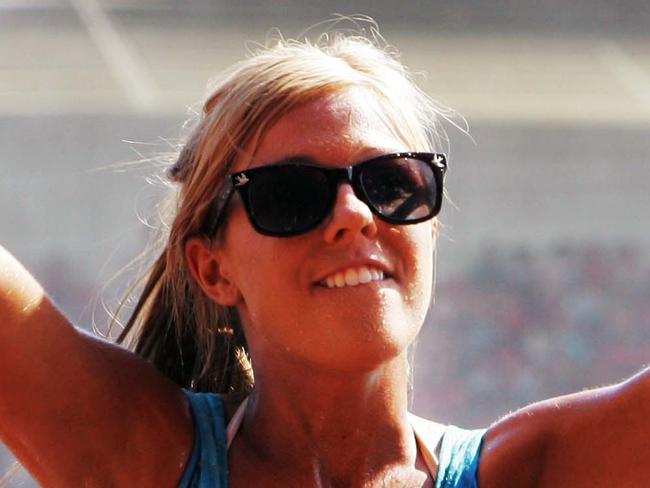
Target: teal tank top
x,y
207,466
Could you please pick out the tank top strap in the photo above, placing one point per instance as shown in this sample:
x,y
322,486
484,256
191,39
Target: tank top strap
x,y
235,422
207,466
460,450
428,436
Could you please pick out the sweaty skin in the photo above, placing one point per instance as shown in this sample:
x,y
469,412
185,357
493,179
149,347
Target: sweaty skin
x,y
329,405
70,402
330,364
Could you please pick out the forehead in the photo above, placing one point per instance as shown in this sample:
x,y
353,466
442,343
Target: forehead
x,y
338,129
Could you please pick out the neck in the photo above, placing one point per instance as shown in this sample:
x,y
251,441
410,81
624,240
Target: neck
x,y
333,425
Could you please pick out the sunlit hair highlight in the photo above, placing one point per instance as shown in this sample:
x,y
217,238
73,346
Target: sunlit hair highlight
x,y
196,342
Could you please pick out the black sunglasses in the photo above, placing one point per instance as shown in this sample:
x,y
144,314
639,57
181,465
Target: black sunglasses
x,y
285,200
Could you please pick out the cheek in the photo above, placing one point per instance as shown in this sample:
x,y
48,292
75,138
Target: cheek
x,y
265,276
420,257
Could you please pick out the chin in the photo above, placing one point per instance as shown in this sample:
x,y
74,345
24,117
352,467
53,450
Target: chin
x,y
364,348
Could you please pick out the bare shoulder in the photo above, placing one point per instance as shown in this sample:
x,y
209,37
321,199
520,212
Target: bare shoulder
x,y
77,410
593,438
149,413
513,448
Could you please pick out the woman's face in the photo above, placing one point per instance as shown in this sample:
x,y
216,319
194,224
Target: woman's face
x,y
285,310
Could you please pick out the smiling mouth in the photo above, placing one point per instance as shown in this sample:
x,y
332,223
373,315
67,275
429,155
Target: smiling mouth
x,y
359,275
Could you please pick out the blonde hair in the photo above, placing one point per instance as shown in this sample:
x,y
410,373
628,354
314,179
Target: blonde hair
x,y
197,343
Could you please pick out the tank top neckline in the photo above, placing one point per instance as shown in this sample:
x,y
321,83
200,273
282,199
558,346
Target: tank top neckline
x,y
424,444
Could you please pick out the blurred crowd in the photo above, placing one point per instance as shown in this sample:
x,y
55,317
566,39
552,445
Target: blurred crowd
x,y
519,326
516,325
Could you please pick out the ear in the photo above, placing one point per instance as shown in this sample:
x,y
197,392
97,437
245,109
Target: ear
x,y
208,267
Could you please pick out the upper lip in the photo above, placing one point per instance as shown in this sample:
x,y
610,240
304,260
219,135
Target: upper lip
x,y
372,262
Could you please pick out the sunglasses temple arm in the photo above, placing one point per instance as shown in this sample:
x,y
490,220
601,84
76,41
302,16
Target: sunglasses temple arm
x,y
216,210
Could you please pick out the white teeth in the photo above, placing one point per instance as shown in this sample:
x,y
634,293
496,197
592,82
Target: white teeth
x,y
353,277
364,275
339,280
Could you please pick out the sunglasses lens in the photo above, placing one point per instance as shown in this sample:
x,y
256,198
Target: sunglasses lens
x,y
289,199
401,189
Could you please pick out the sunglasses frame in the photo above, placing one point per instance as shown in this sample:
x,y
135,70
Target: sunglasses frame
x,y
351,174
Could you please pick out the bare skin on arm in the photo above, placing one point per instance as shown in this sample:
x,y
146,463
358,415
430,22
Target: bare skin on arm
x,y
327,314
76,410
595,438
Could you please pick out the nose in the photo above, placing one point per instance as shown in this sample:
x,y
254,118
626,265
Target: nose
x,y
349,217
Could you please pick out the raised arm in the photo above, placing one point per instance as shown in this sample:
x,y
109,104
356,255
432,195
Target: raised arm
x,y
78,411
594,438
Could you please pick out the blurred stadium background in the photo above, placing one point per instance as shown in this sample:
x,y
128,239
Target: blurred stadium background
x,y
544,258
